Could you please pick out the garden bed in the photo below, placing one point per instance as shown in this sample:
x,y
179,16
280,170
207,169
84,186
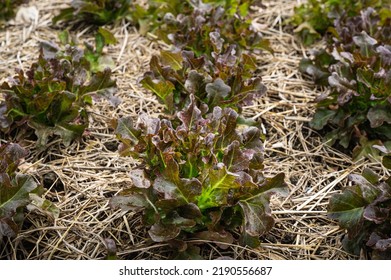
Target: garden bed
x,y
81,178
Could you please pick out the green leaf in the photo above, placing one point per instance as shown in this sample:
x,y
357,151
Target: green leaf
x,y
347,207
64,37
45,206
366,149
172,59
109,38
370,176
126,130
12,198
321,118
16,196
216,192
387,161
163,89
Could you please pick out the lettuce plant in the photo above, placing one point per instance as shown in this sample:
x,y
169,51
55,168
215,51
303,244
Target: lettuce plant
x,y
93,54
15,189
356,68
97,12
7,8
52,97
315,17
226,80
198,177
191,31
364,210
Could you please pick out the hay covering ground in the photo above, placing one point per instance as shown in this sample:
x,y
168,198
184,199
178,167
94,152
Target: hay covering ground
x,y
81,178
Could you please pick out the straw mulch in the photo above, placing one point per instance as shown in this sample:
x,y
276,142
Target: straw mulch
x,y
81,178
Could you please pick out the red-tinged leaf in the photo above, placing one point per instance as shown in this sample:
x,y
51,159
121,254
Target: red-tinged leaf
x,y
257,216
376,214
8,227
163,233
175,219
223,239
366,190
235,159
365,42
195,82
190,188
217,91
190,117
273,185
168,189
139,179
10,157
190,211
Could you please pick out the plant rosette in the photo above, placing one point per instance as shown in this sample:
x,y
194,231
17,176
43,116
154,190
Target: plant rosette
x,y
52,97
357,71
198,177
96,12
226,80
18,192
